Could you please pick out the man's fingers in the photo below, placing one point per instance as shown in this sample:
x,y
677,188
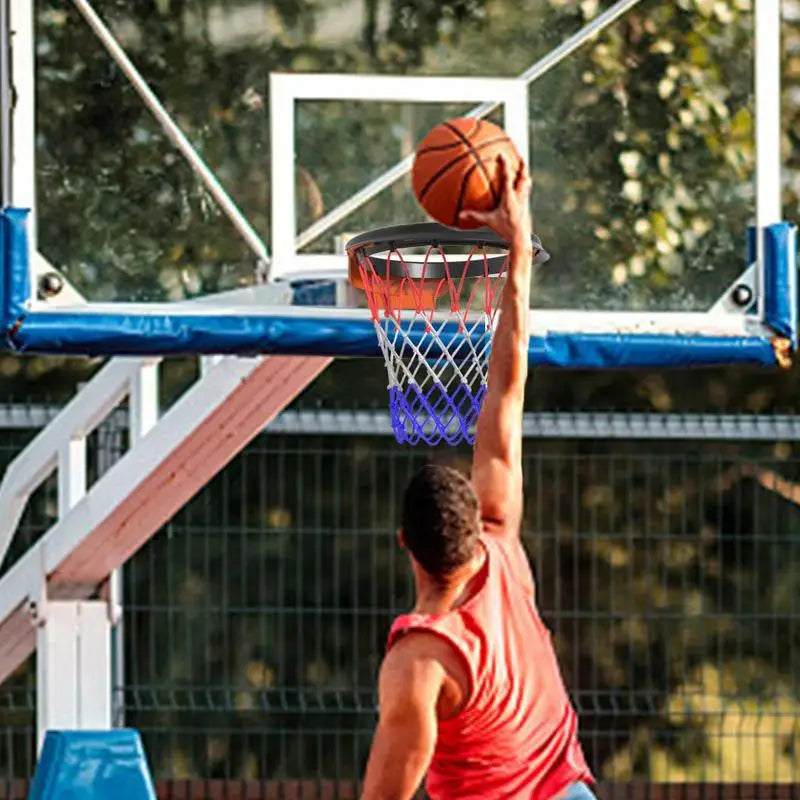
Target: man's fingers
x,y
522,180
504,175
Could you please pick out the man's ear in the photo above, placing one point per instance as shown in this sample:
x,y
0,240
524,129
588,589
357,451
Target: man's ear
x,y
401,541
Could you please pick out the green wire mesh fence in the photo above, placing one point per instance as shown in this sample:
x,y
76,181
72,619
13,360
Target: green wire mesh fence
x,y
255,621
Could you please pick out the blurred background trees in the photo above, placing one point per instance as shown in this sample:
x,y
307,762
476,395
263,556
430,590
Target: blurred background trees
x,y
643,158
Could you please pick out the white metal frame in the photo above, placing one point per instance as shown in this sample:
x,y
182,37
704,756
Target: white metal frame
x,y
72,636
6,101
288,89
98,529
23,117
767,55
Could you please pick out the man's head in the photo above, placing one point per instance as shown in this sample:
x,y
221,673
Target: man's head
x,y
441,520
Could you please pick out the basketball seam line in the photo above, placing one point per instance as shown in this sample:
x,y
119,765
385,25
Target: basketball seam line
x,y
472,151
433,148
467,175
468,143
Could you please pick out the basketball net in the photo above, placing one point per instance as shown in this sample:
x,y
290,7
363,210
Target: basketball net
x,y
435,336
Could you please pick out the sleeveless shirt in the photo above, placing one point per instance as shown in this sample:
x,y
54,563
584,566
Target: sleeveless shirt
x,y
516,734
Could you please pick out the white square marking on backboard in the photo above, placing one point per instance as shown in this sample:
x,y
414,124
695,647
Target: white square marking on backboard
x,y
510,94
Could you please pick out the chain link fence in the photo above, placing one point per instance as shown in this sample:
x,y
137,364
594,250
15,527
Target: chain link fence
x,y
255,621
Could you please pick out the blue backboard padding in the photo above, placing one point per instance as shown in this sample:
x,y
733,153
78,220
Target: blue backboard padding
x,y
602,350
92,765
780,279
5,274
131,334
15,283
146,334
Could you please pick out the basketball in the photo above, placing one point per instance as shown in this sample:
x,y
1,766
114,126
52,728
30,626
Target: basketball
x,y
455,168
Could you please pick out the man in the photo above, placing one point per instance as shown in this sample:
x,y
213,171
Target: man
x,y
470,691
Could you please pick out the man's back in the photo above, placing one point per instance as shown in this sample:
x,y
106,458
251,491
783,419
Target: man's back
x,y
515,736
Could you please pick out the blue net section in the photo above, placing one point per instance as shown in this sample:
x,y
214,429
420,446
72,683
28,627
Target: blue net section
x,y
434,316
435,415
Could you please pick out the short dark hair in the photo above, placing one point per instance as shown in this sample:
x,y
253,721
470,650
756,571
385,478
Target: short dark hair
x,y
440,519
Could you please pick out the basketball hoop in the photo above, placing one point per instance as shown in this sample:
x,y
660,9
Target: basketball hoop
x,y
433,294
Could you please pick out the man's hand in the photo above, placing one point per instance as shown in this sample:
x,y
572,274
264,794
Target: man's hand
x,y
511,219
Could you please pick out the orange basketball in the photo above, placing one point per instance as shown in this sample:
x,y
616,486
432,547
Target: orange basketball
x,y
455,168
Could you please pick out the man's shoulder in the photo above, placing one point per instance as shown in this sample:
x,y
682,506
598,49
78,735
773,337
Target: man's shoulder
x,y
419,652
416,644
424,656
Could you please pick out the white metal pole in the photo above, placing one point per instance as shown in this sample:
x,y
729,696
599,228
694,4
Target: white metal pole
x,y
23,121
768,126
71,474
143,409
516,119
143,399
73,675
5,105
282,146
57,669
173,132
94,666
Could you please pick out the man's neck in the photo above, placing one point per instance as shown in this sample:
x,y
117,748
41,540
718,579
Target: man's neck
x,y
438,597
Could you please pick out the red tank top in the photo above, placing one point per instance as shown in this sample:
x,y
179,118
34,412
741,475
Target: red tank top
x,y
516,736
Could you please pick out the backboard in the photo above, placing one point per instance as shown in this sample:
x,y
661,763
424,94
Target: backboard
x,y
195,196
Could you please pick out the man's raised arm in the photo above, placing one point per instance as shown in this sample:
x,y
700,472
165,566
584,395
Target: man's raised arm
x,y
497,461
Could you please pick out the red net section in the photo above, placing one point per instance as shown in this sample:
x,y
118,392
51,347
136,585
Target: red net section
x,y
434,315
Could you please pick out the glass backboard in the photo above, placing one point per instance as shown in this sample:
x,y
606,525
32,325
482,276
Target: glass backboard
x,y
641,144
